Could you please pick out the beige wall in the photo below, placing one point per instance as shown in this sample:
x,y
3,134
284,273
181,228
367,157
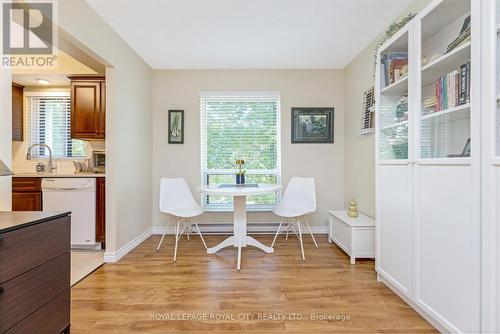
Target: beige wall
x,y
180,90
5,137
360,150
128,123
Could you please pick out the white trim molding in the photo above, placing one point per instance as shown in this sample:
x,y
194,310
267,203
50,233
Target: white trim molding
x,y
111,257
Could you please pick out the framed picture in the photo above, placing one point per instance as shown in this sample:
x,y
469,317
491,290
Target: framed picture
x,y
176,126
312,125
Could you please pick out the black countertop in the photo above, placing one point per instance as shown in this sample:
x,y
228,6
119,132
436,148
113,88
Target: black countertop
x,y
10,221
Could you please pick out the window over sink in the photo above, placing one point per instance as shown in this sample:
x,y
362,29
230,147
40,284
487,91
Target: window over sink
x,y
240,126
49,122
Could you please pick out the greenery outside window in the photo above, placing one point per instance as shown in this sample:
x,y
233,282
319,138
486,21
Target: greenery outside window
x,y
240,126
49,122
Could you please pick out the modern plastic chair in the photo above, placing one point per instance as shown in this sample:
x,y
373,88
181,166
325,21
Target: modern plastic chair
x,y
176,199
298,200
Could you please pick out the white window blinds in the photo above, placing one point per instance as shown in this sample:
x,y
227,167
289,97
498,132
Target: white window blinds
x,y
240,126
49,122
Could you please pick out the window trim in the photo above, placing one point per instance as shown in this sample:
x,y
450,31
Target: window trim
x,y
203,142
62,92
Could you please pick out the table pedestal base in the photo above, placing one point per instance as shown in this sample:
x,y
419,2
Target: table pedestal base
x,y
230,242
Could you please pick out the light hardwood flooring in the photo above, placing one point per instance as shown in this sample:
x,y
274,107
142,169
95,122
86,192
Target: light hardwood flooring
x,y
146,292
84,262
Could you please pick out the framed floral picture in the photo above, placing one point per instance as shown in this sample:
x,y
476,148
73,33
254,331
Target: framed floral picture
x,y
312,125
176,126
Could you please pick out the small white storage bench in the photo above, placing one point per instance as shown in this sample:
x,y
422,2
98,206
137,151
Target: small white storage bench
x,y
356,236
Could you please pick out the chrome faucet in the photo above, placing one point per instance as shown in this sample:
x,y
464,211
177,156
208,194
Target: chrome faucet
x,y
50,166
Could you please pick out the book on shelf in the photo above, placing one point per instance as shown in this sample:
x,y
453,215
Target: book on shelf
x,y
451,90
394,66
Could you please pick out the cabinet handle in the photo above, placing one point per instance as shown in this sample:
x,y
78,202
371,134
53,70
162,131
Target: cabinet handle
x,y
1,290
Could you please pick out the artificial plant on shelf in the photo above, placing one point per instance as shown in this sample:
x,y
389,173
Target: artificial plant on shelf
x,y
240,174
391,31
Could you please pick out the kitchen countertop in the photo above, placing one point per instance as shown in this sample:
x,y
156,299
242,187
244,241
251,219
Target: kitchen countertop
x,y
10,221
52,175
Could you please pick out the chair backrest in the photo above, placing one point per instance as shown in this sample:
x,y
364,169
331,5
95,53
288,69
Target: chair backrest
x,y
301,194
175,195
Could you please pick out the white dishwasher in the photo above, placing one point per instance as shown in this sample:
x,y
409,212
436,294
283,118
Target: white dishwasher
x,y
78,196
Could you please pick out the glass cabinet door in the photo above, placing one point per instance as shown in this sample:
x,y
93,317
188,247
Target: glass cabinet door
x,y
445,82
394,102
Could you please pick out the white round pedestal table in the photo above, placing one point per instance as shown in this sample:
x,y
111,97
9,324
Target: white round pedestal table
x,y
239,193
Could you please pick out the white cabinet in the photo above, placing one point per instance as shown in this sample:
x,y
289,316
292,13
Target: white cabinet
x,y
490,88
356,236
428,168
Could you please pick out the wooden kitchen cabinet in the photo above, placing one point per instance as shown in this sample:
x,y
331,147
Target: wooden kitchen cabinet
x,y
17,112
100,221
35,272
88,107
26,194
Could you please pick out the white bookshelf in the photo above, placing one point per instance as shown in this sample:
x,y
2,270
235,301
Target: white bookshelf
x,y
446,63
427,203
459,112
396,88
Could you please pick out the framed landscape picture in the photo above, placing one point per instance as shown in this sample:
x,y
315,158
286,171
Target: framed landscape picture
x,y
312,125
176,126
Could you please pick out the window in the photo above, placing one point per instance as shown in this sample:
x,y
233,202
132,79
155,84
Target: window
x,y
49,123
240,126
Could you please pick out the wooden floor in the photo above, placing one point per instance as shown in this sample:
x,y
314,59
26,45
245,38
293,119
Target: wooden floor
x,y
147,293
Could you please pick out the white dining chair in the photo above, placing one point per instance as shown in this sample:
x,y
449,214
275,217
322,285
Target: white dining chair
x,y
177,201
298,200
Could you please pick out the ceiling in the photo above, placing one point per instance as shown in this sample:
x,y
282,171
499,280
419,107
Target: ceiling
x,y
248,34
30,80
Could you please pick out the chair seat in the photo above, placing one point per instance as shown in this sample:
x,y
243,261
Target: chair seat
x,y
289,212
189,212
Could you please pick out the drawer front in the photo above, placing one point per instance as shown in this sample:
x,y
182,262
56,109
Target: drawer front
x,y
52,317
28,247
26,293
26,184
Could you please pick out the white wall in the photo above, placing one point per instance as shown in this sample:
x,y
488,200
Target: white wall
x,y
128,123
360,150
180,90
5,137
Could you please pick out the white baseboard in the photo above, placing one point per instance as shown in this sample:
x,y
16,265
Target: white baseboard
x,y
110,257
227,228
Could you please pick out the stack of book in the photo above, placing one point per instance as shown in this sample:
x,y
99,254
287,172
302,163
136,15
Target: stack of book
x,y
452,90
394,66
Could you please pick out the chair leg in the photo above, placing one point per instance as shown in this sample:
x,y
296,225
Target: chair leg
x,y
201,236
287,229
310,232
186,222
163,236
277,233
161,240
177,237
300,239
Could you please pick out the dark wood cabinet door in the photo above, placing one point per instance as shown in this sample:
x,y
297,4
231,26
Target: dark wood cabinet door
x,y
17,112
100,228
85,109
27,201
26,184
